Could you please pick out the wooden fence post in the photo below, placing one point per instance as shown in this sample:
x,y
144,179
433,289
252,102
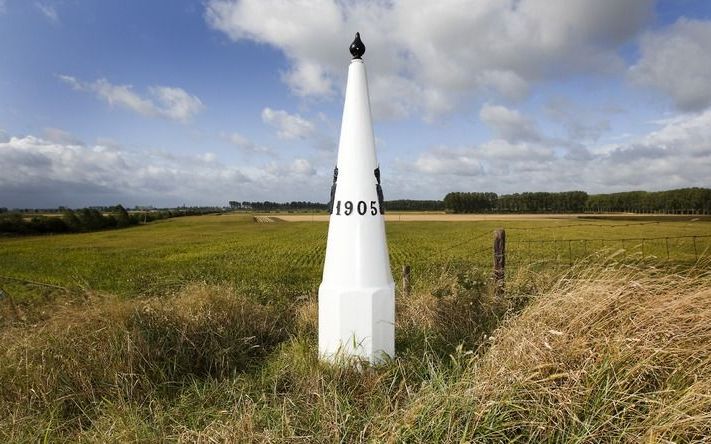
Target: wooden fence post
x,y
499,259
666,240
406,288
696,253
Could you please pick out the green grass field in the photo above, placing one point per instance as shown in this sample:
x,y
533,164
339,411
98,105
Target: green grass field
x,y
287,258
203,329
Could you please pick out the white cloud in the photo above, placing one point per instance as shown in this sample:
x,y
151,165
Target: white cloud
x,y
288,126
677,61
48,11
449,161
207,157
167,102
3,6
239,140
518,137
505,151
37,172
59,135
176,103
509,124
689,135
307,79
247,145
428,57
302,167
295,174
675,155
580,124
299,29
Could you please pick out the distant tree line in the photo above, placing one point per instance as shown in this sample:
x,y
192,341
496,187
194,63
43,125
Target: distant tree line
x,y
459,202
414,205
680,201
61,209
542,202
277,206
390,205
87,219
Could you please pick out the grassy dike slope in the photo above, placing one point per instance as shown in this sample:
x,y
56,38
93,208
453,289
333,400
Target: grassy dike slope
x,y
601,354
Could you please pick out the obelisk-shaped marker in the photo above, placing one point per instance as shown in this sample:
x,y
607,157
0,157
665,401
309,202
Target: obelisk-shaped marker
x,y
356,299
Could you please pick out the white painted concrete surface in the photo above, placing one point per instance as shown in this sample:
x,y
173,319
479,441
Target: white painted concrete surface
x,y
357,294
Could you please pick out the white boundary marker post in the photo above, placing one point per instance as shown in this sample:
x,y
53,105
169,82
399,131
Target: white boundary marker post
x,y
357,294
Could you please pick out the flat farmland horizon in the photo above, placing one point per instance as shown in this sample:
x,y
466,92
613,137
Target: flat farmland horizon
x,y
440,216
259,253
214,319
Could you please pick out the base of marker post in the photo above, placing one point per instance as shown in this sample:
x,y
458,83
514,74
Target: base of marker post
x,y
356,323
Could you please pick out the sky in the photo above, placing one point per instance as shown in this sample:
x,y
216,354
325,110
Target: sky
x,y
172,102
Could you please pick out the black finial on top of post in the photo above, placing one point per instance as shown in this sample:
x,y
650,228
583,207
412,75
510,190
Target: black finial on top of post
x,y
357,47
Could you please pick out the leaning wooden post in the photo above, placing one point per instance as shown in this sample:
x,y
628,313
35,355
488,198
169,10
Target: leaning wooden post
x,y
499,259
406,288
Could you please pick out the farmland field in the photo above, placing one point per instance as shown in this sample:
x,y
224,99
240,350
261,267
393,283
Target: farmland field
x,y
203,329
286,258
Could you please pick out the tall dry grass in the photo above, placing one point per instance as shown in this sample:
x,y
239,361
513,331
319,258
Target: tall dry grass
x,y
597,354
59,372
605,355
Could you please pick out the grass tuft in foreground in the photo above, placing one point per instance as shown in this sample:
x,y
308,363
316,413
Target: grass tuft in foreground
x,y
64,369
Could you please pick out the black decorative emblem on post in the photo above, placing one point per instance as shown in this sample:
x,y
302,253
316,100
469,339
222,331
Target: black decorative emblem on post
x,y
379,190
357,47
333,190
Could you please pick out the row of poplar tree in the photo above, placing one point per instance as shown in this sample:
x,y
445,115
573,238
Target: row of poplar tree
x,y
680,201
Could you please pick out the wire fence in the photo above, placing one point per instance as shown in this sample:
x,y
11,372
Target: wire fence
x,y
688,248
428,250
476,248
566,251
481,250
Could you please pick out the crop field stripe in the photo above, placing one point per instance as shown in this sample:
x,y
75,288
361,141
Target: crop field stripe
x,y
261,257
466,241
610,225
